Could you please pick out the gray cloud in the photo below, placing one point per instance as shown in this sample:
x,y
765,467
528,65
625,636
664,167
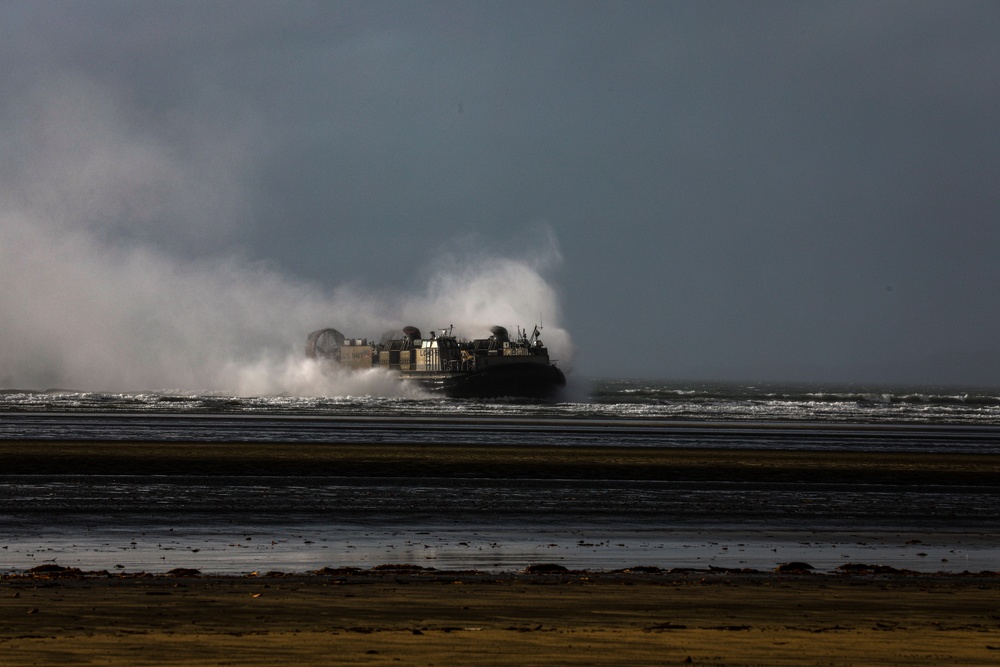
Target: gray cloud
x,y
751,191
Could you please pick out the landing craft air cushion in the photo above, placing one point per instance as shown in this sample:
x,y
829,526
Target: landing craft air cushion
x,y
482,368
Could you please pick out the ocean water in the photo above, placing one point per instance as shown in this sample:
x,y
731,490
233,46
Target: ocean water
x,y
597,399
233,523
606,412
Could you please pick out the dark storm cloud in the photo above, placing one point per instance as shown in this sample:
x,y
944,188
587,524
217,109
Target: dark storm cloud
x,y
772,190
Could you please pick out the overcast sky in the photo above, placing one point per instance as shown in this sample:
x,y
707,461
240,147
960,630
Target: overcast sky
x,y
684,190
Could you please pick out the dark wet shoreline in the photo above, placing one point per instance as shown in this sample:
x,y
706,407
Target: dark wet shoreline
x,y
500,430
497,461
517,504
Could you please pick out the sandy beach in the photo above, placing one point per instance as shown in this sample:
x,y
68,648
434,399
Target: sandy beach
x,y
403,616
534,461
851,611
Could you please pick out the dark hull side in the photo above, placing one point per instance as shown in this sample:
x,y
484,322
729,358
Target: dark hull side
x,y
531,380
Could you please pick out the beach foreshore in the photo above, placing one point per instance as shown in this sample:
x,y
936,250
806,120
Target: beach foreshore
x,y
234,507
115,457
152,501
405,615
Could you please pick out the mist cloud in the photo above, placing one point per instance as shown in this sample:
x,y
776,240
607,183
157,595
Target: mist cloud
x,y
123,271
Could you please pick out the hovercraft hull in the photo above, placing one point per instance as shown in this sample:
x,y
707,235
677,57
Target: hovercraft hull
x,y
528,380
494,367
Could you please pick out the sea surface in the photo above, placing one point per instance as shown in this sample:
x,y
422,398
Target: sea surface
x,y
598,399
243,523
610,412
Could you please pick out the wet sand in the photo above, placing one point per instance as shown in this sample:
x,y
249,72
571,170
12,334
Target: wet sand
x,y
230,508
508,461
403,616
873,616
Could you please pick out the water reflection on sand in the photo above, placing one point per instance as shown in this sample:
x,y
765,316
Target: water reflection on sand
x,y
235,549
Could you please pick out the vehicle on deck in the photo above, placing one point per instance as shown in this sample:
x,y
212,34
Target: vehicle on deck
x,y
481,368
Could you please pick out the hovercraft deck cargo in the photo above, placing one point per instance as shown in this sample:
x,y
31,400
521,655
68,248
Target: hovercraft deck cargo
x,y
482,368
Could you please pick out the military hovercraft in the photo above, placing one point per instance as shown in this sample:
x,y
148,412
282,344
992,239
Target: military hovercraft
x,y
482,368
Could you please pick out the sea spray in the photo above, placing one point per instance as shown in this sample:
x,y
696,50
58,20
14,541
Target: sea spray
x,y
91,317
123,270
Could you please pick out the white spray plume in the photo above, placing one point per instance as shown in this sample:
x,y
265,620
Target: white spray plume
x,y
101,291
474,291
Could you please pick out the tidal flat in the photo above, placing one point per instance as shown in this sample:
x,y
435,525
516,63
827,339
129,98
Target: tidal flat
x,y
256,553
